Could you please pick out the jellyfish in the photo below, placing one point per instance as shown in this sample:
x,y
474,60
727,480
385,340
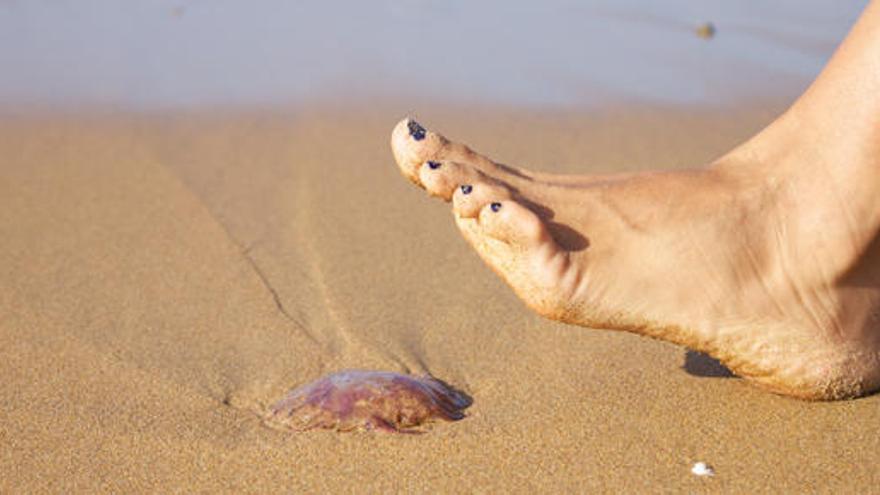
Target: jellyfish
x,y
369,400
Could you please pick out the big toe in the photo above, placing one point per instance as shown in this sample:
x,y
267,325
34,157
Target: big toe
x,y
413,145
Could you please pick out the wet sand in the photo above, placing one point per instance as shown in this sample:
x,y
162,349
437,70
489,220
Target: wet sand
x,y
166,277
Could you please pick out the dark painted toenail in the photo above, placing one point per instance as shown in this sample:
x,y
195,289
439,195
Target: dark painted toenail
x,y
466,189
434,165
416,131
495,206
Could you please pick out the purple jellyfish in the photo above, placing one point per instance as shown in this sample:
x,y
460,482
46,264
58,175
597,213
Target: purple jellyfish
x,y
369,400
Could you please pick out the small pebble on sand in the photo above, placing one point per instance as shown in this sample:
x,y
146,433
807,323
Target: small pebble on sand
x,y
702,469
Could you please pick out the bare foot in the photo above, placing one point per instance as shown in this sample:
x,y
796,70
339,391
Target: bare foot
x,y
754,260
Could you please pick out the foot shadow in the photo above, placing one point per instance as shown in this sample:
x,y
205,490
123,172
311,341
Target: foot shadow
x,y
699,364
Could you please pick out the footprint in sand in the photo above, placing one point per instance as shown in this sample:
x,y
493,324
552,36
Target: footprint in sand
x,y
369,400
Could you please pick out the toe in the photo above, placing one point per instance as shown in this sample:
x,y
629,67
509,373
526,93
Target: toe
x,y
510,222
470,198
442,179
413,145
516,244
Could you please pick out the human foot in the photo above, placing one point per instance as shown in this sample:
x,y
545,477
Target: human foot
x,y
713,259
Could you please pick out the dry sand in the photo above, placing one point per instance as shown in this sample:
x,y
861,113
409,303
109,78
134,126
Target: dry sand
x,y
167,277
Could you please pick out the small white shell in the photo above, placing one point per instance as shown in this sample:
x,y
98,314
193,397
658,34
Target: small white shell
x,y
702,469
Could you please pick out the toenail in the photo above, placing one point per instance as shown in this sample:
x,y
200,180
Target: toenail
x,y
416,131
434,165
466,189
495,206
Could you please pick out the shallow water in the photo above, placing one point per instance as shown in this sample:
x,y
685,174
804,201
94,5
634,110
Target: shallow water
x,y
193,53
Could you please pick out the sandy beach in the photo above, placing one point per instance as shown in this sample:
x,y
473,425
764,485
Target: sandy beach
x,y
167,277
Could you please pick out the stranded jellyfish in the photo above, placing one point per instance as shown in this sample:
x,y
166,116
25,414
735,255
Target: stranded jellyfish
x,y
369,400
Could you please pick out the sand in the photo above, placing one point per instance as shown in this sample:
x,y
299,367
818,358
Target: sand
x,y
166,277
